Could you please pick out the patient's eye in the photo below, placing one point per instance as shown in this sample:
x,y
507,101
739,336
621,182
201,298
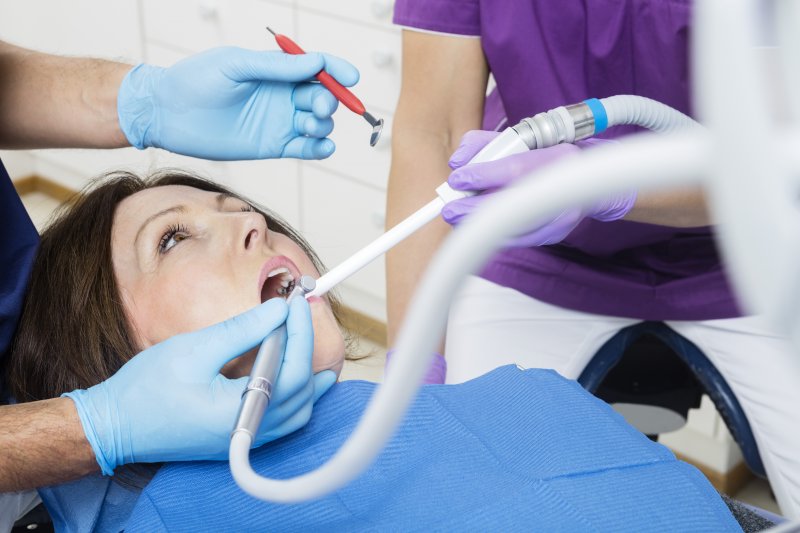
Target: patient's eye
x,y
175,233
248,208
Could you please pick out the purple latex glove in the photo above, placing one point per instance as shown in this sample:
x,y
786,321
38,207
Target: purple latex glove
x,y
436,371
493,175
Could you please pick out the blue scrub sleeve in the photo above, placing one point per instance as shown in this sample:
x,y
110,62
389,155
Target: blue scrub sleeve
x,y
18,243
457,17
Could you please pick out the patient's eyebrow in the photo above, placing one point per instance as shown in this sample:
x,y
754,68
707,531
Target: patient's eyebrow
x,y
151,218
221,197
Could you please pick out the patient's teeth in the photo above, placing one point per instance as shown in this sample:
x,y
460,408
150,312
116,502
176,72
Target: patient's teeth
x,y
282,270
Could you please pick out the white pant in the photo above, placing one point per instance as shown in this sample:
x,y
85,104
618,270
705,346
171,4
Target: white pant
x,y
15,505
491,325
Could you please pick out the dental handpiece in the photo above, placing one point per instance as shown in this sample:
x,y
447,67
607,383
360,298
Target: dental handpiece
x,y
264,374
565,124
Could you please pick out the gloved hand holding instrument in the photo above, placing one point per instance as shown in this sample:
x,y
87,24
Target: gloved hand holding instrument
x,y
170,403
487,177
231,103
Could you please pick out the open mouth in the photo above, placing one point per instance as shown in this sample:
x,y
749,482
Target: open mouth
x,y
279,283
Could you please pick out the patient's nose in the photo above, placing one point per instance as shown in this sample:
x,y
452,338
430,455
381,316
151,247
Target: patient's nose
x,y
253,231
250,239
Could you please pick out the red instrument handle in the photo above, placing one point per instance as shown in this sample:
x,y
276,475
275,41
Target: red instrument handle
x,y
337,89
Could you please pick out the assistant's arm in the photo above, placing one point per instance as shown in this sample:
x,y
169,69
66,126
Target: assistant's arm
x,y
42,443
684,208
442,94
58,102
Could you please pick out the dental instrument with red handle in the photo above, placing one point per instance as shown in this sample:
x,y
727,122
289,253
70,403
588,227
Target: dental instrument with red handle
x,y
338,90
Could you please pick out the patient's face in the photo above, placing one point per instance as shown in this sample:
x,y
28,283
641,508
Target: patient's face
x,y
186,258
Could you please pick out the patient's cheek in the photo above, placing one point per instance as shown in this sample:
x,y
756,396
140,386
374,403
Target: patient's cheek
x,y
328,341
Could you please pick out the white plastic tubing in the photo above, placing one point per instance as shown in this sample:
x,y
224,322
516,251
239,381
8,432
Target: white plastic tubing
x,y
645,112
641,162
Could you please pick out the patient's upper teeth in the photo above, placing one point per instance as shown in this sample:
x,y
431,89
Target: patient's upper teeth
x,y
282,270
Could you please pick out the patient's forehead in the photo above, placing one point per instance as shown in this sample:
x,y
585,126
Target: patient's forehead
x,y
138,207
159,198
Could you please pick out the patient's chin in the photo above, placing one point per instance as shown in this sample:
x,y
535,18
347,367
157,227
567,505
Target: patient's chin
x,y
333,362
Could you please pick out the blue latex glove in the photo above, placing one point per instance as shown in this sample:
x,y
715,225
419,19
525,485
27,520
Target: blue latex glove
x,y
493,175
169,403
230,104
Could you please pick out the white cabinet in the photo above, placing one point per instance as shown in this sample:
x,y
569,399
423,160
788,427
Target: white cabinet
x,y
339,217
95,28
194,25
373,12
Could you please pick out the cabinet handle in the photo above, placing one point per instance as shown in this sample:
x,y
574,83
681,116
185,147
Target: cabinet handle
x,y
381,9
208,9
382,59
378,219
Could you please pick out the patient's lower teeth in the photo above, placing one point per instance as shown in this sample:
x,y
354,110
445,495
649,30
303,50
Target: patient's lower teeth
x,y
286,289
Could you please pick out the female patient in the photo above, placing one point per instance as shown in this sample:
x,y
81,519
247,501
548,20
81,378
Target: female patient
x,y
135,261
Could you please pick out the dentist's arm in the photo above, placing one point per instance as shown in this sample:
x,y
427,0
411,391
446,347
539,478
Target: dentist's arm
x,y
42,443
169,403
59,102
224,103
442,94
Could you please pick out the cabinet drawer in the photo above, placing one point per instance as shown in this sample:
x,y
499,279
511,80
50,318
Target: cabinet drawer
x,y
375,52
339,218
365,11
194,25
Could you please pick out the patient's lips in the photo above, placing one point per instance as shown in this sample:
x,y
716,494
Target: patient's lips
x,y
277,278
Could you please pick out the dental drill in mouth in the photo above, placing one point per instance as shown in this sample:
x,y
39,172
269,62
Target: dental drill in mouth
x,y
264,374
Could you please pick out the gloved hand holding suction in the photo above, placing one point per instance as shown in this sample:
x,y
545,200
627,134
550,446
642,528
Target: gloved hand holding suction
x,y
170,403
492,175
231,103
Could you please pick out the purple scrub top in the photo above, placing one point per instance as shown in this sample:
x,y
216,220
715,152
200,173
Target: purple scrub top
x,y
547,53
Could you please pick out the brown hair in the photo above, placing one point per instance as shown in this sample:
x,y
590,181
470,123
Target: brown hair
x,y
73,332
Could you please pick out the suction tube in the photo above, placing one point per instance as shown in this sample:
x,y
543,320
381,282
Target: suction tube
x,y
562,124
596,173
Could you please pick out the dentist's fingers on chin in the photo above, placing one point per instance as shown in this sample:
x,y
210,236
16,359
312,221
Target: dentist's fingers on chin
x,y
315,98
309,148
323,381
299,419
210,348
295,371
284,407
305,123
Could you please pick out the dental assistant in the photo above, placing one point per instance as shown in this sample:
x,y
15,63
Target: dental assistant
x,y
169,402
565,289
